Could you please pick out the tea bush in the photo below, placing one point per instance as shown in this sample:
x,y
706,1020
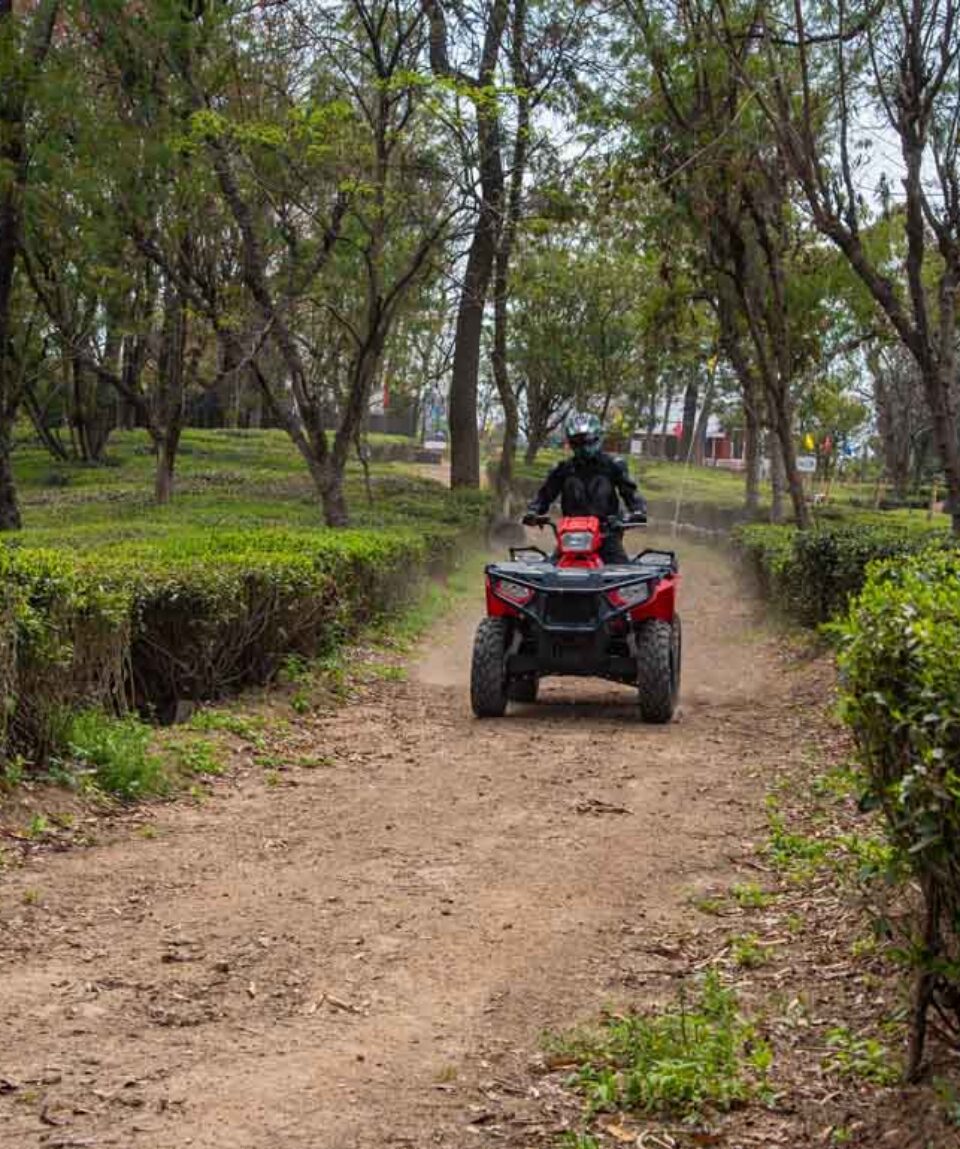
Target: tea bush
x,y
812,575
8,655
68,644
900,679
109,602
166,623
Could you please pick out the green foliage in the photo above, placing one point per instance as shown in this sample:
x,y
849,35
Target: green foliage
x,y
901,698
678,1062
747,952
812,575
196,756
117,750
749,896
860,1058
796,855
8,659
245,726
70,634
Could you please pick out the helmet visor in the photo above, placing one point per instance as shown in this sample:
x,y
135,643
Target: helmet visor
x,y
584,446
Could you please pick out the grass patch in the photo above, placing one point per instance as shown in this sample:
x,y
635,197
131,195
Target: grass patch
x,y
194,757
117,753
246,726
860,1058
750,896
713,905
796,855
696,1055
747,951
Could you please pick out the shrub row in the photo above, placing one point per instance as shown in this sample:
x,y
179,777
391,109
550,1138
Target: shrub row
x,y
900,678
812,575
189,617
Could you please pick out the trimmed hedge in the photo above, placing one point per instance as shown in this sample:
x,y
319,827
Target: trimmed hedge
x,y
900,677
193,615
8,656
68,643
226,614
811,576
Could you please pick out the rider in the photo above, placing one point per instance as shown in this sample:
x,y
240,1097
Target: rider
x,y
589,484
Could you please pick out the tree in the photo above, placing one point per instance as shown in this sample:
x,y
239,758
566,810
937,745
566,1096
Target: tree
x,y
903,421
329,185
480,90
25,41
851,61
576,327
727,184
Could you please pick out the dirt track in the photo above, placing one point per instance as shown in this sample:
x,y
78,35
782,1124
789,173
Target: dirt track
x,y
338,964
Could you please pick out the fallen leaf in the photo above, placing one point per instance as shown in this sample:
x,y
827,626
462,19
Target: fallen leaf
x,y
618,1133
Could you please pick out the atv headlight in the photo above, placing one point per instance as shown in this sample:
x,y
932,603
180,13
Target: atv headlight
x,y
577,541
513,591
632,595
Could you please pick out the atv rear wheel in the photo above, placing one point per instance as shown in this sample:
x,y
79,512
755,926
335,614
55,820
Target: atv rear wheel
x,y
488,674
524,689
658,669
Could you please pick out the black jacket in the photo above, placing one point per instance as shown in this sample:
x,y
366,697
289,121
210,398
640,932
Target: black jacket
x,y
589,487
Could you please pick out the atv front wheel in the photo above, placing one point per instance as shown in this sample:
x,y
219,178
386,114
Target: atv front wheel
x,y
524,689
488,674
658,669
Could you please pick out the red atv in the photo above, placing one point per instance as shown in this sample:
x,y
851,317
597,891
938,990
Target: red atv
x,y
568,613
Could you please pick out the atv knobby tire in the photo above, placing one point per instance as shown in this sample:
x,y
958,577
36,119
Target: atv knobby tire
x,y
524,689
658,669
488,674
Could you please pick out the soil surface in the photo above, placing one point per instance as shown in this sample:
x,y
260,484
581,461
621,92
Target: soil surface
x,y
357,958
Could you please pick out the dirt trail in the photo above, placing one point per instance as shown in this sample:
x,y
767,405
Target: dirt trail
x,y
340,964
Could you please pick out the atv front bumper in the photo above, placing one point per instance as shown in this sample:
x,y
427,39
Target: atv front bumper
x,y
595,654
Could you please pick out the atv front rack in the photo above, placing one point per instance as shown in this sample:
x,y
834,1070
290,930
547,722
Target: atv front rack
x,y
653,557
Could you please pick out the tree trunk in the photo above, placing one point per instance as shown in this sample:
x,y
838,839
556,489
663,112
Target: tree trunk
x,y
11,155
47,437
166,463
9,507
168,406
20,64
651,380
896,460
788,455
518,167
939,393
703,422
778,479
464,432
501,375
335,512
690,397
751,452
926,980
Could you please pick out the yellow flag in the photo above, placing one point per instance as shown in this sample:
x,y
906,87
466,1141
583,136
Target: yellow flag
x,y
808,442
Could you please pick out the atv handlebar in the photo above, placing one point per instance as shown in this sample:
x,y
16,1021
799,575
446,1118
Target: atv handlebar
x,y
631,522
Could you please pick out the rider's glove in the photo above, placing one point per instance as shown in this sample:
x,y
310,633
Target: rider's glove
x,y
530,519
